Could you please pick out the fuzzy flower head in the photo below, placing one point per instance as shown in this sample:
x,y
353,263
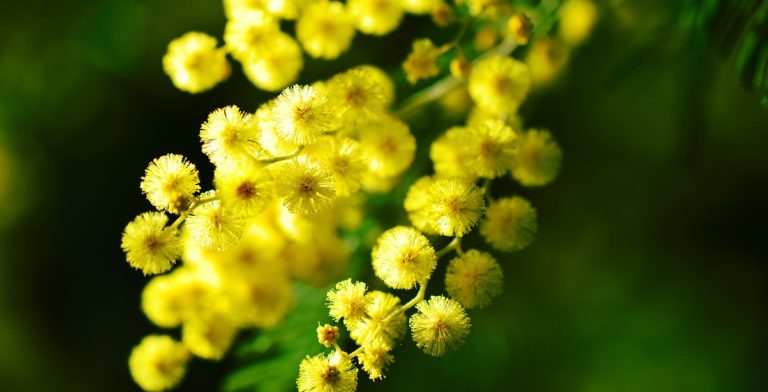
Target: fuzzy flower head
x,y
374,359
168,300
332,373
270,140
538,159
325,29
499,84
169,182
416,204
388,146
357,95
194,64
277,65
447,155
378,327
510,224
403,257
262,300
577,18
213,226
420,6
489,149
440,325
210,335
245,188
149,246
343,158
327,334
304,186
422,62
347,300
230,136
302,114
383,82
454,207
249,34
158,363
376,17
474,279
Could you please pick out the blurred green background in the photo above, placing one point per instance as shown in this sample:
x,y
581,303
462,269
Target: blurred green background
x,y
650,270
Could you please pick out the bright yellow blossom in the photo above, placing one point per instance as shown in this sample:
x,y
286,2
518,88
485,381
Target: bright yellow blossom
x,y
357,95
489,149
374,359
440,324
420,6
384,323
158,363
230,135
209,336
215,227
347,300
321,373
499,84
577,18
403,257
510,224
304,186
275,66
454,206
377,17
538,159
342,157
302,114
422,61
149,246
473,279
245,188
387,145
194,64
325,29
169,182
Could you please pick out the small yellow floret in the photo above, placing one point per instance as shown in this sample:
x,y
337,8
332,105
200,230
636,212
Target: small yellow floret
x,y
546,59
454,206
169,182
422,61
577,18
276,66
384,323
416,202
302,114
321,373
420,6
510,224
447,154
271,142
538,159
249,34
194,64
304,186
388,146
357,95
347,300
245,188
230,135
158,363
149,246
474,279
377,17
327,334
489,149
403,257
213,226
499,84
209,336
325,29
375,358
343,158
440,324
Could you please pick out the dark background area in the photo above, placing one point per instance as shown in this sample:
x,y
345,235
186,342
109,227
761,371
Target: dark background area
x,y
649,271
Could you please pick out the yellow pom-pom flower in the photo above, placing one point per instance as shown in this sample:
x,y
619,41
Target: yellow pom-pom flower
x,y
416,204
388,146
489,149
546,59
158,363
325,29
375,358
277,65
169,300
447,155
343,158
209,336
474,279
302,114
347,300
321,373
422,61
499,84
248,35
577,18
510,224
384,323
194,63
538,159
236,9
380,78
403,257
213,226
245,188
304,186
270,140
357,95
377,17
440,324
454,206
169,182
149,246
420,6
261,300
230,136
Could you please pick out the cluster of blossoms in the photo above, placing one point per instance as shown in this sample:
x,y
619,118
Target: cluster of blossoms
x,y
294,173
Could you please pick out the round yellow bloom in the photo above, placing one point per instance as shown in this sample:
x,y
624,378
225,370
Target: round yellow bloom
x,y
213,226
577,18
333,373
230,135
276,66
158,363
374,358
473,279
489,149
270,140
325,29
245,188
454,206
248,35
510,224
382,81
403,257
302,114
261,300
168,300
388,146
499,84
236,9
422,61
347,300
357,95
440,324
546,59
519,28
194,64
377,17
447,155
379,327
169,182
209,336
420,6
538,159
416,202
304,186
149,246
343,158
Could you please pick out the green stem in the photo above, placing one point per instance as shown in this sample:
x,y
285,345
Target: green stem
x,y
194,204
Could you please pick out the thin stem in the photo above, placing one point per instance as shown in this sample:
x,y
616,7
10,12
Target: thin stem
x,y
282,157
192,205
454,244
356,352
